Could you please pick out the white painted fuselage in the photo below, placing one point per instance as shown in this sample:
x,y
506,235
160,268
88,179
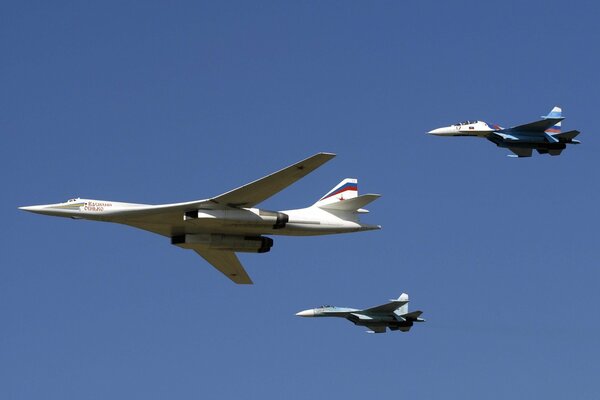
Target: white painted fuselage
x,y
218,227
468,128
179,219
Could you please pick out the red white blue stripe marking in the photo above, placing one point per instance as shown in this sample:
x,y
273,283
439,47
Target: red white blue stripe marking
x,y
350,186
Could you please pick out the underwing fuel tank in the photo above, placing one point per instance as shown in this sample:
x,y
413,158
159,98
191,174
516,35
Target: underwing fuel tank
x,y
252,216
245,244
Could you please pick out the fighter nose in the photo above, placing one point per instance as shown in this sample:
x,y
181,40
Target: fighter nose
x,y
438,131
306,313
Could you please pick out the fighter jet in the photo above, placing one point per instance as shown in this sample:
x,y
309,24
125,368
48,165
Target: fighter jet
x,y
393,315
218,227
544,135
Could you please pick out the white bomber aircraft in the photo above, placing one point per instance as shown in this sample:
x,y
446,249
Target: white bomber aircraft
x,y
218,227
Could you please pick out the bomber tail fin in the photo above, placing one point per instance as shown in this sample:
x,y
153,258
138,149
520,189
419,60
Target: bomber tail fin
x,y
344,197
345,190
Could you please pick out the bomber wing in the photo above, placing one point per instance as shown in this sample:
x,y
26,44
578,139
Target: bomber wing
x,y
167,219
255,192
226,262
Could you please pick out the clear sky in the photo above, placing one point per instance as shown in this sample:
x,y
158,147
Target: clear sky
x,y
161,102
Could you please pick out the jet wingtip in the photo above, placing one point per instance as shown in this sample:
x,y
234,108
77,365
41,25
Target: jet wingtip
x,y
327,154
245,280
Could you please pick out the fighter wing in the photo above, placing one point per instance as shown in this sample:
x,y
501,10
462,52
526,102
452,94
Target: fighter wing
x,y
376,329
255,192
520,152
226,262
533,128
385,308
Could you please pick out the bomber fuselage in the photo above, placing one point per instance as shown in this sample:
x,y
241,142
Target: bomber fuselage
x,y
309,221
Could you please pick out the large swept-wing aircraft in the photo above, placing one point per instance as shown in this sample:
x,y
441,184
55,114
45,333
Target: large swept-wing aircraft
x,y
218,227
544,135
393,315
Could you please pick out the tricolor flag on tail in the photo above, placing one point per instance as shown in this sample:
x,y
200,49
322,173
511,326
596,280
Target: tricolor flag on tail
x,y
344,198
346,189
555,113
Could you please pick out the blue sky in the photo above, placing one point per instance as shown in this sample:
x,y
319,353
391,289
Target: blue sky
x,y
163,102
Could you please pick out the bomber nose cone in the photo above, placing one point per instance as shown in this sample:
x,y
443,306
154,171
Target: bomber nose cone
x,y
306,313
31,208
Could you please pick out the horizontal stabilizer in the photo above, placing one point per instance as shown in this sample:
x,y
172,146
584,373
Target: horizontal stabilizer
x,y
353,204
567,135
412,316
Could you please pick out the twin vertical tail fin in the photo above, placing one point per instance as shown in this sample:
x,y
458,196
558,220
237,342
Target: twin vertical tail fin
x,y
344,197
555,113
555,132
402,311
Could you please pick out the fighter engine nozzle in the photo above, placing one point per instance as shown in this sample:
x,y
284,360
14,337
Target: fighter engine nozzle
x,y
306,313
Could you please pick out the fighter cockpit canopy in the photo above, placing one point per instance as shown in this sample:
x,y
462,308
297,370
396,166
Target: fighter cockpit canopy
x,y
467,123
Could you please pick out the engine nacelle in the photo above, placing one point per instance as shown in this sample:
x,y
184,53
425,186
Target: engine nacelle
x,y
240,216
281,219
246,244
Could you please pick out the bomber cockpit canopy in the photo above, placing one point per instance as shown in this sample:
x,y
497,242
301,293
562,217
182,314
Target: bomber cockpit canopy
x,y
72,200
